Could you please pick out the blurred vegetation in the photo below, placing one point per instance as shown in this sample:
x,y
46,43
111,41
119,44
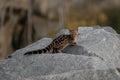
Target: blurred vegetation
x,y
86,17
113,15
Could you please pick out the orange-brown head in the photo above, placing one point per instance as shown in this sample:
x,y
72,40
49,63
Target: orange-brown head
x,y
74,32
74,35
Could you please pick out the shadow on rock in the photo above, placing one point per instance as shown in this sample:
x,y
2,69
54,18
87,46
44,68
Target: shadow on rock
x,y
79,50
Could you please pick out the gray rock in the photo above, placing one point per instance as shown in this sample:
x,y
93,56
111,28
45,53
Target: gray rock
x,y
107,28
110,29
95,57
89,74
103,43
118,36
98,41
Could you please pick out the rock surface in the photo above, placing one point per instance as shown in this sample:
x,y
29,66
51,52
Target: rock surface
x,y
95,57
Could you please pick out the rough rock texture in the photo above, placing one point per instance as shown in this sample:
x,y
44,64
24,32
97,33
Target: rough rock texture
x,y
95,57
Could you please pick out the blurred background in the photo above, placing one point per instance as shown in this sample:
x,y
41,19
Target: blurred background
x,y
23,22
